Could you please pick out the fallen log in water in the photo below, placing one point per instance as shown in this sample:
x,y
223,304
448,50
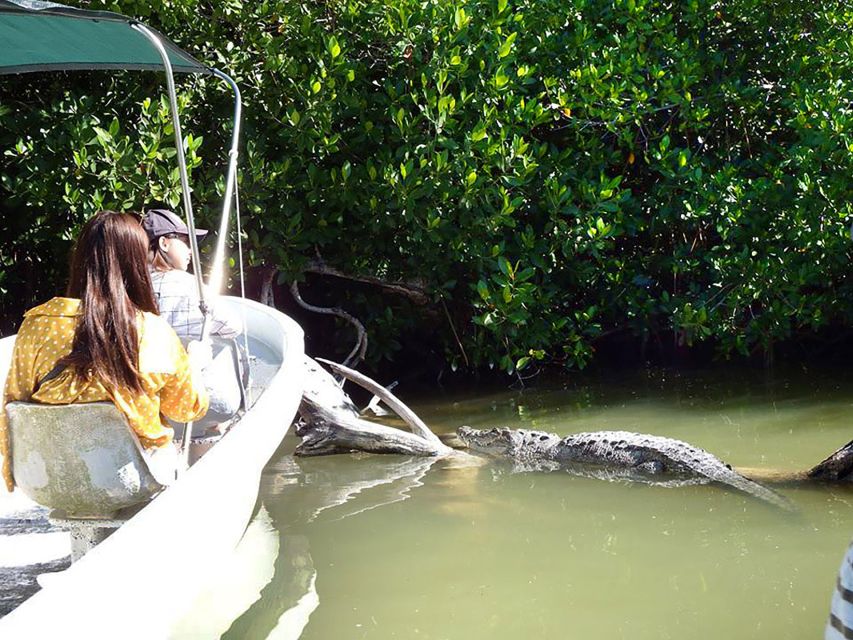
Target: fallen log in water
x,y
331,423
838,466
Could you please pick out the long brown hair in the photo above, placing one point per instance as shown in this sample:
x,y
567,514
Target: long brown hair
x,y
109,273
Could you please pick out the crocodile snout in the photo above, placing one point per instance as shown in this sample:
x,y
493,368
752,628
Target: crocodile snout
x,y
495,440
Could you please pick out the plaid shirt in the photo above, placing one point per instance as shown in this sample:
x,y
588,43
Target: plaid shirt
x,y
177,297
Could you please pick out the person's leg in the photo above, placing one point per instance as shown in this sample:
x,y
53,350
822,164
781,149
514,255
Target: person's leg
x,y
223,387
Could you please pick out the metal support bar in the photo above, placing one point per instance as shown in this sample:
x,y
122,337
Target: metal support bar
x,y
216,270
182,162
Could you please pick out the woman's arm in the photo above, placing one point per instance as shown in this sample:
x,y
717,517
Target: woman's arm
x,y
184,397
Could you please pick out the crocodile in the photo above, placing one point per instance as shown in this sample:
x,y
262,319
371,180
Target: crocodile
x,y
647,454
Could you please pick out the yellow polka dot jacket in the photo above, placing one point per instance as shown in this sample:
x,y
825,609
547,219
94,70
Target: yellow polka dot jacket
x,y
46,336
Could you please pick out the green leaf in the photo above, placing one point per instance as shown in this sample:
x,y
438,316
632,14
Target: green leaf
x,y
483,290
525,274
500,78
505,267
460,19
506,364
333,47
102,136
506,47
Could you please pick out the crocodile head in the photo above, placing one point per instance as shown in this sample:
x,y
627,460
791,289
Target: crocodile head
x,y
497,441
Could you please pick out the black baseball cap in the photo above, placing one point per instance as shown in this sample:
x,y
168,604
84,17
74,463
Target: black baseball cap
x,y
161,222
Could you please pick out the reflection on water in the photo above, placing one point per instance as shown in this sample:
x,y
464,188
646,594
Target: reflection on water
x,y
392,547
326,492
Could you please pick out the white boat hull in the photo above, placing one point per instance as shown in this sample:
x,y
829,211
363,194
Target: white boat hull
x,y
140,581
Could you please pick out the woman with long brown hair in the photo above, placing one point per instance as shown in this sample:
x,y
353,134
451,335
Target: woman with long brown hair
x,y
106,341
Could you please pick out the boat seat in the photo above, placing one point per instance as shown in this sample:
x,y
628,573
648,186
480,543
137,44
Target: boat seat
x,y
82,460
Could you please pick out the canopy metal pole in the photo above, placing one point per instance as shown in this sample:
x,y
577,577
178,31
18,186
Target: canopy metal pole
x,y
216,270
182,162
188,205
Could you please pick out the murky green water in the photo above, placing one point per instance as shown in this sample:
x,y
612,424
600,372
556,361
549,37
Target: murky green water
x,y
388,547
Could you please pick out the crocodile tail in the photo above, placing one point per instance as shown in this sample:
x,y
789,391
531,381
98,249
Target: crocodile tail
x,y
759,491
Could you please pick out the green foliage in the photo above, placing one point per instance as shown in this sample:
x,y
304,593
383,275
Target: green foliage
x,y
552,170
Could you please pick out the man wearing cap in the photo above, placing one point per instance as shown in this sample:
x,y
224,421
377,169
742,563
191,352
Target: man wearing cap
x,y
177,296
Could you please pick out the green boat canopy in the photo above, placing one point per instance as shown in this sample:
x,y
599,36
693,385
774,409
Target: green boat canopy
x,y
44,36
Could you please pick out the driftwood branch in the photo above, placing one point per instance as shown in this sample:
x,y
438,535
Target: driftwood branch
x,y
391,401
331,423
347,434
771,476
357,354
838,466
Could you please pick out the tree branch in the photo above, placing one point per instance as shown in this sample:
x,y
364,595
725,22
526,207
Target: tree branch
x,y
357,354
266,286
414,292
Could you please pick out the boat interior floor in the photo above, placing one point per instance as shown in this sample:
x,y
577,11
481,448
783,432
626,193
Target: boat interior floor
x,y
263,365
